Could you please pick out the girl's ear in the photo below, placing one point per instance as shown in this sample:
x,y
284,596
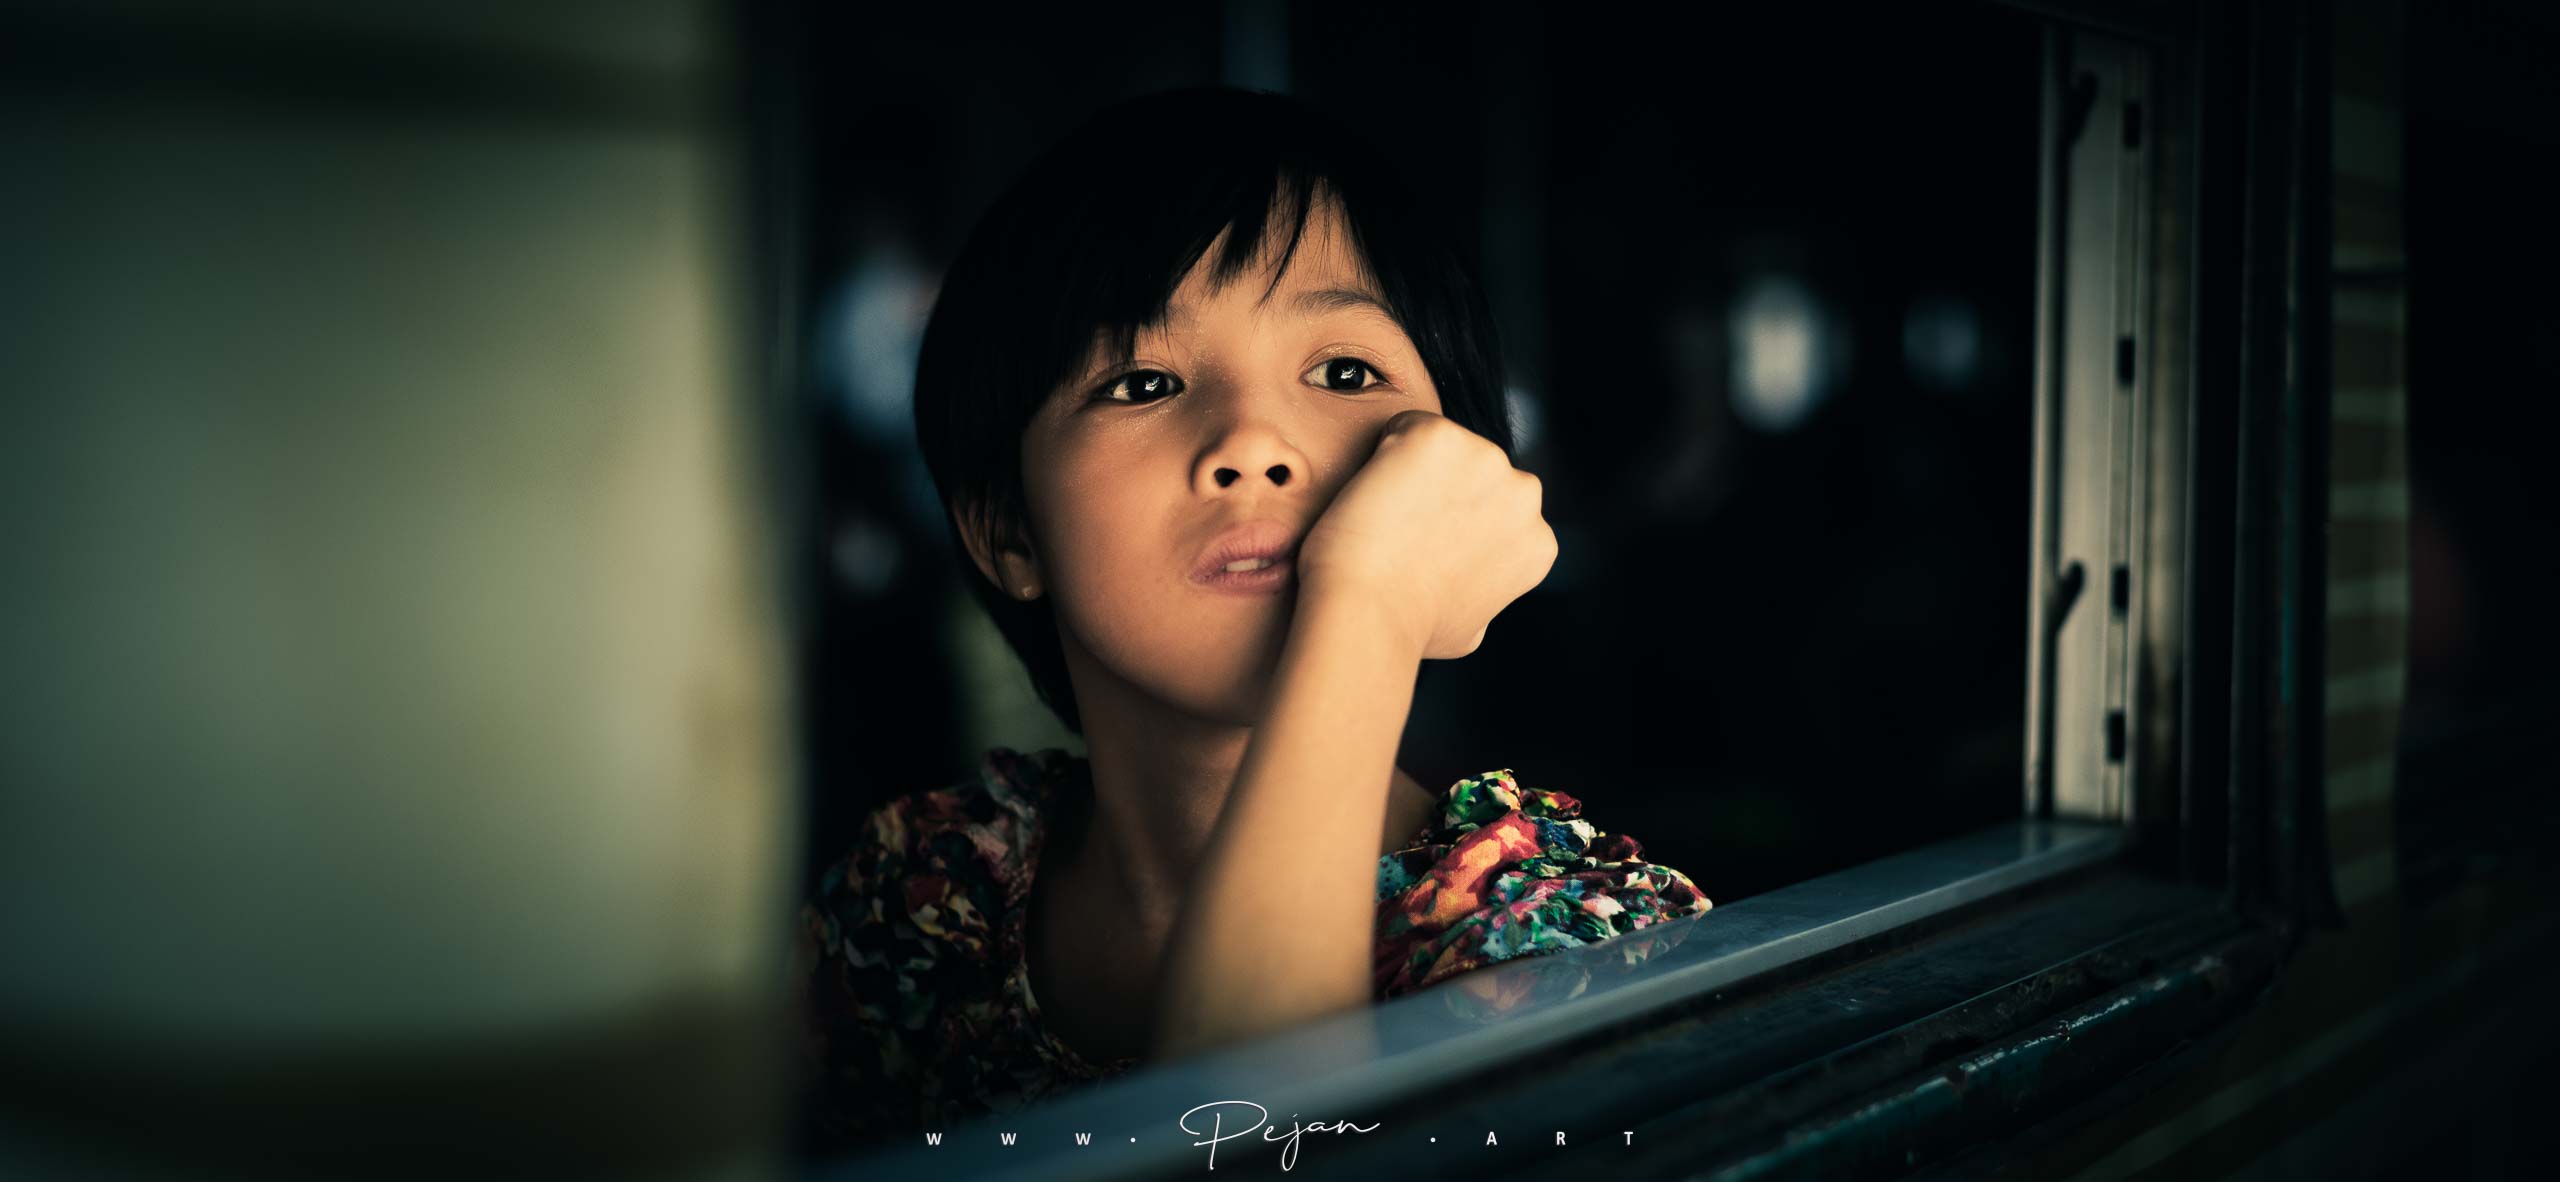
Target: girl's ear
x,y
1012,567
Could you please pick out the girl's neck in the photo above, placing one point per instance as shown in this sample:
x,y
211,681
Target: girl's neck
x,y
1100,922
1123,856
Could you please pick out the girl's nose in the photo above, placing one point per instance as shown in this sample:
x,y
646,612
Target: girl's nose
x,y
1246,453
1278,474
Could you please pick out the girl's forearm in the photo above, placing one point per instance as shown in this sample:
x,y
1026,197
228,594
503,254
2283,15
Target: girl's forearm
x,y
1277,926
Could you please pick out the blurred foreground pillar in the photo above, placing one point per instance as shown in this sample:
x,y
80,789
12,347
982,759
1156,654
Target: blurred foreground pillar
x,y
395,771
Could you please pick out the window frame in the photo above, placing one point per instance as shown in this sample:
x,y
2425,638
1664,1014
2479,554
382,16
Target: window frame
x,y
2056,954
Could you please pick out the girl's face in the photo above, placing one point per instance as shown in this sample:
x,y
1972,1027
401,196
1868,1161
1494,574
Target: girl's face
x,y
1239,411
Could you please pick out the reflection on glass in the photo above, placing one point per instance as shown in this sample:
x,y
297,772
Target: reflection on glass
x,y
1942,341
1782,354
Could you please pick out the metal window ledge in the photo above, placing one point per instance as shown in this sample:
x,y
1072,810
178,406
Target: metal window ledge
x,y
1734,1024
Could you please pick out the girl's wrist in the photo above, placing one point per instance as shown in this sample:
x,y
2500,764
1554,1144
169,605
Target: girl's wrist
x,y
1361,611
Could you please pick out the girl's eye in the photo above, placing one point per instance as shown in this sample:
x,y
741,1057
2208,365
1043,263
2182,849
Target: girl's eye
x,y
1145,385
1349,369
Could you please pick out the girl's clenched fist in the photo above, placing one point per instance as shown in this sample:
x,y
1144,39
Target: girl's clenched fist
x,y
1437,531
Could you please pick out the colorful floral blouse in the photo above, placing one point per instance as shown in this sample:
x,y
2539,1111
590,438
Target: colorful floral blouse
x,y
912,954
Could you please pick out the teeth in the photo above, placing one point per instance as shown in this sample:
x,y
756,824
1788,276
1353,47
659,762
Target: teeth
x,y
1246,565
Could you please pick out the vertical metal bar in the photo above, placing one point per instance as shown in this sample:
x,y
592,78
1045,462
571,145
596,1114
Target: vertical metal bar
x,y
2043,517
2167,137
2257,707
2284,572
2214,200
2129,482
2304,851
2094,431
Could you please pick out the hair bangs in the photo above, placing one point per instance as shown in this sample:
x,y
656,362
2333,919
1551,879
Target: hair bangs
x,y
1246,215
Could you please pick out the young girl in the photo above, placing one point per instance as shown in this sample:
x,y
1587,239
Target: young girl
x,y
1218,419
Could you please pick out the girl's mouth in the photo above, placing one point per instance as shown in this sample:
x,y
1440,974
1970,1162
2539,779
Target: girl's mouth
x,y
1252,576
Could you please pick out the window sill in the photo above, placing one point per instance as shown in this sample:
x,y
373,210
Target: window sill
x,y
1736,1024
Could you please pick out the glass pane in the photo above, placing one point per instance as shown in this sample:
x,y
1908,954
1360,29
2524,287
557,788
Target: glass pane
x,y
1764,293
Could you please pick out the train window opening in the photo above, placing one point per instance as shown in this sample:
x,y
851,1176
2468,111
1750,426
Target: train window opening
x,y
1789,455
1836,343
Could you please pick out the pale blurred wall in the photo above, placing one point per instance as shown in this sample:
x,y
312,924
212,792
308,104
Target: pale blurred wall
x,y
392,646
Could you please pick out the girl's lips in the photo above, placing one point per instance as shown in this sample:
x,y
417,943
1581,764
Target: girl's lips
x,y
1269,579
1268,538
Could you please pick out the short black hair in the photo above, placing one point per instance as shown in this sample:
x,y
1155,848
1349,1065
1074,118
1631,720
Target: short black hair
x,y
1090,244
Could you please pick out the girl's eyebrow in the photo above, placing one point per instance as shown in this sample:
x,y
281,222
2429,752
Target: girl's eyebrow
x,y
1311,304
1307,305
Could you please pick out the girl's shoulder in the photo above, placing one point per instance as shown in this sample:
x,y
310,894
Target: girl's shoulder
x,y
906,946
947,861
908,943
1506,871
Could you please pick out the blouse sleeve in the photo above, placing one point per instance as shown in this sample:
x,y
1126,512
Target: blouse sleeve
x,y
1525,876
861,1026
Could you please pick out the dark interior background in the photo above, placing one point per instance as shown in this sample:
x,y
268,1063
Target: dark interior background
x,y
1765,289
2484,359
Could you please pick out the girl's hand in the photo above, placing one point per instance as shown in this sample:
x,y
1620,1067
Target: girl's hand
x,y
1437,530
